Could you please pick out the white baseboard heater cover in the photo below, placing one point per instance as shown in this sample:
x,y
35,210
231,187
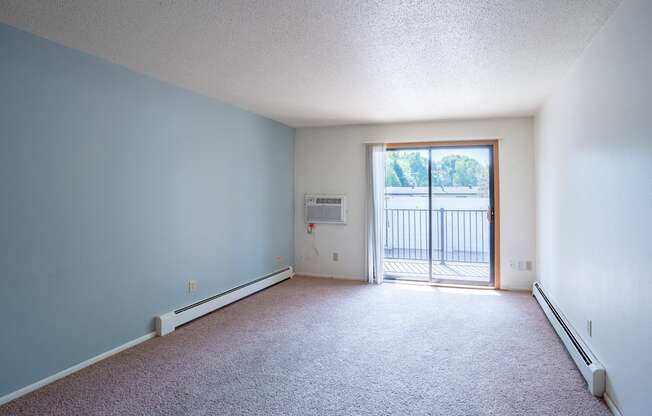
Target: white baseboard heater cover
x,y
589,366
167,322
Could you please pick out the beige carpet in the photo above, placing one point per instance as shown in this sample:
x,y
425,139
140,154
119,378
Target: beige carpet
x,y
326,347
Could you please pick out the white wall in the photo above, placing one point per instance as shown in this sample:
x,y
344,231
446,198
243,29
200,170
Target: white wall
x,y
594,196
331,160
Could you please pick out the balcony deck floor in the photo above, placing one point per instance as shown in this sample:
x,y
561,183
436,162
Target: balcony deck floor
x,y
418,270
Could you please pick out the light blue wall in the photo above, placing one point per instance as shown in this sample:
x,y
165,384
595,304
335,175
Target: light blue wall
x,y
115,189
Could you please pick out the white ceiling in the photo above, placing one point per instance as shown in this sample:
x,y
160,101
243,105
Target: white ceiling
x,y
335,61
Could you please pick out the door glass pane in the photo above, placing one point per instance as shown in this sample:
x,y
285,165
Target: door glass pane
x,y
407,215
460,202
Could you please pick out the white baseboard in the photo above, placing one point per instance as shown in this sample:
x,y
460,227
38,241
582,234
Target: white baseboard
x,y
611,405
524,286
168,321
331,276
587,363
61,374
516,288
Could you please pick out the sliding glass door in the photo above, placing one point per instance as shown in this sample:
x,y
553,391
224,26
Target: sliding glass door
x,y
439,214
407,214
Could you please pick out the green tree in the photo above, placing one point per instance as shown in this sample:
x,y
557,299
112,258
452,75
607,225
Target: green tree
x,y
394,173
418,169
410,169
457,170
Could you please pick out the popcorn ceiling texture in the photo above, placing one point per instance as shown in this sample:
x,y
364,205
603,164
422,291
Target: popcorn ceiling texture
x,y
326,347
335,61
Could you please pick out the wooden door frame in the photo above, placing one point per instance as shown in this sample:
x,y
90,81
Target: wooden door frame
x,y
496,185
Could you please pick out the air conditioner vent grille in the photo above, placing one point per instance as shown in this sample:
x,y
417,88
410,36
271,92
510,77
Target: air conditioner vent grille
x,y
337,201
327,209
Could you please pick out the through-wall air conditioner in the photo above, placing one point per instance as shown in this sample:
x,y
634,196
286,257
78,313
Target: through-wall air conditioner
x,y
325,209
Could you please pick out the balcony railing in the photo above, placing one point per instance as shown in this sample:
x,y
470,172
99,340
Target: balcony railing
x,y
457,235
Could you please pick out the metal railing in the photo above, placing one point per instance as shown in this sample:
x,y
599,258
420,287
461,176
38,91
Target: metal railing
x,y
457,235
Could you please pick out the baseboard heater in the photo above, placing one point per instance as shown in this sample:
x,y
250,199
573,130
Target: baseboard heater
x,y
589,366
167,322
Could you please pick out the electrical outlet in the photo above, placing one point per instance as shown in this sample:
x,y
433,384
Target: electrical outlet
x,y
279,260
336,256
520,265
589,327
192,286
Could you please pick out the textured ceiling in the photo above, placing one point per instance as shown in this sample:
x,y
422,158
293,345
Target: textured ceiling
x,y
335,61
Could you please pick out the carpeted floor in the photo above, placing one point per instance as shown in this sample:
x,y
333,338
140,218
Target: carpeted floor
x,y
327,347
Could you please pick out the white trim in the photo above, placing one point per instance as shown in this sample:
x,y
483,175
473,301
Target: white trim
x,y
61,374
432,139
167,322
331,276
611,405
516,288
